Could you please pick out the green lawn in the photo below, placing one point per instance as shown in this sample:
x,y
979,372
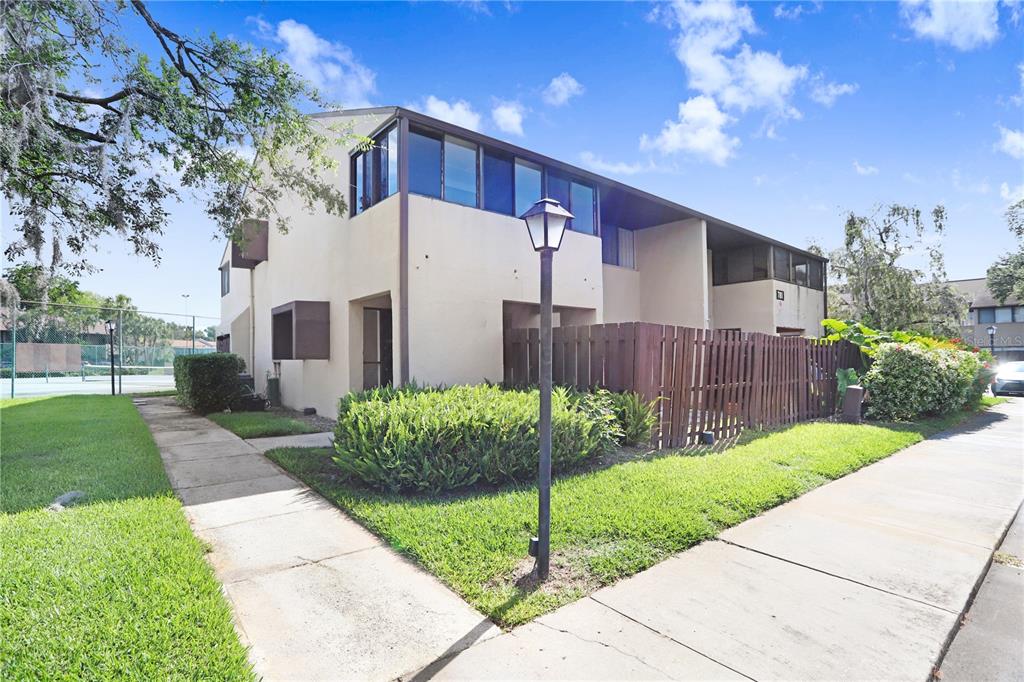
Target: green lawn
x,y
116,586
606,524
260,424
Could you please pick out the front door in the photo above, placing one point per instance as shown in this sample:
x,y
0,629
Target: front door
x,y
378,363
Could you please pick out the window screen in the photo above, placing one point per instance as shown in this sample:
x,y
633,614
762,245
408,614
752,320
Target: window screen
x,y
780,259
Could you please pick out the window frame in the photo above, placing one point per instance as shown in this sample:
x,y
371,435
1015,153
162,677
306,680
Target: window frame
x,y
458,141
225,280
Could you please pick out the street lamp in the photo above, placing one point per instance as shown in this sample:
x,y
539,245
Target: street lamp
x,y
545,222
992,340
111,327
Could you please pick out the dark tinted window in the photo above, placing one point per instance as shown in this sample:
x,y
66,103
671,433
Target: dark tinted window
x,y
817,274
558,189
459,171
610,245
781,263
800,274
528,186
424,165
582,207
986,315
760,263
498,170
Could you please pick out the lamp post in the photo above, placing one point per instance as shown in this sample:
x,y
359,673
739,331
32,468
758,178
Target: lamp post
x,y
545,222
111,327
992,340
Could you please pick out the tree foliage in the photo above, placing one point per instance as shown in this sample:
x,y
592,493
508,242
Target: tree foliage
x,y
873,282
1006,275
99,135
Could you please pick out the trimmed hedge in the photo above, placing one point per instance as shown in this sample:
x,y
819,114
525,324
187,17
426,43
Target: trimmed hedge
x,y
432,440
907,381
207,382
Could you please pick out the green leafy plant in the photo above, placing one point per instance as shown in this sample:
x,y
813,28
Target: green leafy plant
x,y
431,440
907,381
209,382
846,377
637,417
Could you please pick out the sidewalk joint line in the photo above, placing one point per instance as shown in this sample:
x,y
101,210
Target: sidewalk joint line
x,y
834,575
668,637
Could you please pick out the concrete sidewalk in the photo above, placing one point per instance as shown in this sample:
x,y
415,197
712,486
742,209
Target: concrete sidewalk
x,y
314,595
990,643
863,578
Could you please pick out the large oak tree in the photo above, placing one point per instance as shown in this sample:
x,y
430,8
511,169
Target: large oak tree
x,y
98,135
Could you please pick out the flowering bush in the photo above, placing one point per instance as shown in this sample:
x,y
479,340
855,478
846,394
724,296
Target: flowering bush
x,y
909,380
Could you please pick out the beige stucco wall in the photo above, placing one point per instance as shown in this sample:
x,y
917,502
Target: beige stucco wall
x,y
746,306
621,289
331,258
673,279
803,308
463,263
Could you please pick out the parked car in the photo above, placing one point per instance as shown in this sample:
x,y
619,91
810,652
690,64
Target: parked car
x,y
1009,379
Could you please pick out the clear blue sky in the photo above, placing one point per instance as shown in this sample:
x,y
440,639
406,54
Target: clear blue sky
x,y
776,116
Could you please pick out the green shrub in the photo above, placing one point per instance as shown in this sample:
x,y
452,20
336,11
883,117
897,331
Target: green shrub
x,y
208,382
636,416
908,381
431,440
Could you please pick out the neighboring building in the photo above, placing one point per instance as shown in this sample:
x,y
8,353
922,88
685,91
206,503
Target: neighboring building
x,y
432,265
985,311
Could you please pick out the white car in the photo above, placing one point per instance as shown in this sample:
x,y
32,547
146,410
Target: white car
x,y
1009,379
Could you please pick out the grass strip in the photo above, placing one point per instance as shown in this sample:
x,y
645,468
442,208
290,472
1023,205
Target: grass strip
x,y
607,524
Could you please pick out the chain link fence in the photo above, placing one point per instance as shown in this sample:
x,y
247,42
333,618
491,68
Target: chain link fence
x,y
54,348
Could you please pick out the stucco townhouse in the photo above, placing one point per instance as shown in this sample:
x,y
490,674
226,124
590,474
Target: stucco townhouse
x,y
1005,320
420,280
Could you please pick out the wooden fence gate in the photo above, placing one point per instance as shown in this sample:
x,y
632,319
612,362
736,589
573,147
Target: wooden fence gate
x,y
708,380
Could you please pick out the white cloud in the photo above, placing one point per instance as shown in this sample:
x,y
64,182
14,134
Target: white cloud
x,y
746,79
798,9
864,170
826,93
964,24
561,89
698,131
963,184
459,112
1011,195
508,116
912,179
1011,142
329,66
599,165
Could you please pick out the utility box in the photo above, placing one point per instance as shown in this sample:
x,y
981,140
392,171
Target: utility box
x,y
852,402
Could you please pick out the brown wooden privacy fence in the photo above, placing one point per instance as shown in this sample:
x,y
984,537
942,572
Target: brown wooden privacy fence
x,y
708,380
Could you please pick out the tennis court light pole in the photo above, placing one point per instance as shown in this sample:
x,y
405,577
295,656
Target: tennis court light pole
x,y
545,221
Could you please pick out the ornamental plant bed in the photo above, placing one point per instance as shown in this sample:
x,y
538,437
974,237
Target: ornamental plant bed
x,y
607,524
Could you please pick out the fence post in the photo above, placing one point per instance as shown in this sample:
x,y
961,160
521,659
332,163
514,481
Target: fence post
x,y
120,349
14,344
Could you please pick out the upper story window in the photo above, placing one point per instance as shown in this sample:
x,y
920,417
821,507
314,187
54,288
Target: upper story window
x,y
225,280
463,172
745,264
618,247
375,171
581,205
1006,313
460,172
425,164
528,185
499,182
751,263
